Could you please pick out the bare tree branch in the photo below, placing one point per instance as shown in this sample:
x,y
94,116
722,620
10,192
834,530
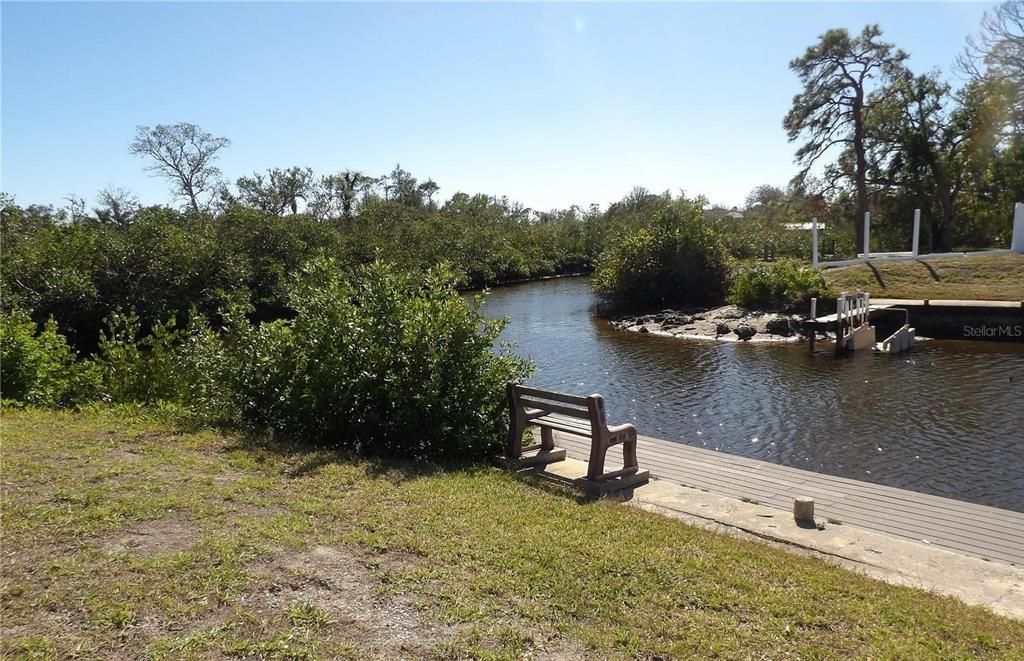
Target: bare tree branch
x,y
183,154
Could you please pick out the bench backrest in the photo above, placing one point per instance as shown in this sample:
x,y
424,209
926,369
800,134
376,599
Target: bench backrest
x,y
585,408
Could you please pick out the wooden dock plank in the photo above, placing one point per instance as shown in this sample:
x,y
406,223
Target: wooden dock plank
x,y
967,528
676,452
870,496
931,521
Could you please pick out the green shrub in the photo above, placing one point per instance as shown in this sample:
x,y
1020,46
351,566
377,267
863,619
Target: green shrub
x,y
40,368
386,363
680,259
383,363
137,367
206,368
759,239
771,284
188,367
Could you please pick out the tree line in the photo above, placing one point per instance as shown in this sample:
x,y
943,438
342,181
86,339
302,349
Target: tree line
x,y
891,139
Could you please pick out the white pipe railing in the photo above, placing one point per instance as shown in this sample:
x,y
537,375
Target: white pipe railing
x,y
1016,243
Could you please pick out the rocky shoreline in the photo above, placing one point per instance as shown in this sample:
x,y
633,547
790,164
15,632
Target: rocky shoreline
x,y
728,323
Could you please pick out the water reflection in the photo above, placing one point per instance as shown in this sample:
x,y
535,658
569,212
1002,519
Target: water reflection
x,y
947,419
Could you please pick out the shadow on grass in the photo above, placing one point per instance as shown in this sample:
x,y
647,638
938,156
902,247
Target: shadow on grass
x,y
877,274
304,459
931,271
537,477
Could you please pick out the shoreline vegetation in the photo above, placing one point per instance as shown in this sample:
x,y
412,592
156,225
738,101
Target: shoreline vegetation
x,y
981,278
139,538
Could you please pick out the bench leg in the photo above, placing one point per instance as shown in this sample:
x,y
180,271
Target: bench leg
x,y
516,427
547,440
514,446
629,453
598,482
598,452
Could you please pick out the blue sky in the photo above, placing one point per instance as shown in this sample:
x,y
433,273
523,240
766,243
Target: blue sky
x,y
549,104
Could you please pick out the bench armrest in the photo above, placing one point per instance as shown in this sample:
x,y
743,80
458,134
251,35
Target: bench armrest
x,y
618,429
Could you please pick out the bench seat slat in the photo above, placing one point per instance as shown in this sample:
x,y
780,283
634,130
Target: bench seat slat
x,y
566,421
533,403
554,396
567,425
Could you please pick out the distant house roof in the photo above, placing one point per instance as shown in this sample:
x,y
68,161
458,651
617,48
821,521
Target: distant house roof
x,y
738,215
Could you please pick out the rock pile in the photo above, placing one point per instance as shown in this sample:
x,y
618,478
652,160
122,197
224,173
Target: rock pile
x,y
728,322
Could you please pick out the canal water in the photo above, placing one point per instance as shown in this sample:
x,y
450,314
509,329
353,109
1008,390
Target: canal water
x,y
946,419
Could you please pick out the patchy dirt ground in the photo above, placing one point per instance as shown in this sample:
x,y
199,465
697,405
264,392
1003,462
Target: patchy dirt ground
x,y
127,538
338,582
147,539
101,507
129,544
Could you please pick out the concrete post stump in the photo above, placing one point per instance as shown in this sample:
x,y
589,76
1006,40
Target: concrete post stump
x,y
803,510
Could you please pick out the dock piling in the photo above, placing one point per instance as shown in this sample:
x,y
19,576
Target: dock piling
x,y
814,315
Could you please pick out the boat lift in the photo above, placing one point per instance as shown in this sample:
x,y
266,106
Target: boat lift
x,y
852,328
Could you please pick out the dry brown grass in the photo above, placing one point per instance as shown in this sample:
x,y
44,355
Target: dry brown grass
x,y
985,278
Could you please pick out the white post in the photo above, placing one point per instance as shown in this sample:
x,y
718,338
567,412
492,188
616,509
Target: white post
x,y
846,311
1017,242
841,327
814,308
917,231
814,242
867,236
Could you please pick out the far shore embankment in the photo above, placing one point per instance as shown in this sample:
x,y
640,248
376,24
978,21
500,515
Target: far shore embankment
x,y
1001,321
523,281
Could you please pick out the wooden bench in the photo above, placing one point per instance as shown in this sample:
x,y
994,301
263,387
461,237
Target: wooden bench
x,y
579,416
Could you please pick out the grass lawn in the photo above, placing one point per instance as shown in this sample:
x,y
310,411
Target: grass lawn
x,y
995,278
127,538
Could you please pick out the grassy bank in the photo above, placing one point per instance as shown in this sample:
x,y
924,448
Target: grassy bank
x,y
126,538
995,278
